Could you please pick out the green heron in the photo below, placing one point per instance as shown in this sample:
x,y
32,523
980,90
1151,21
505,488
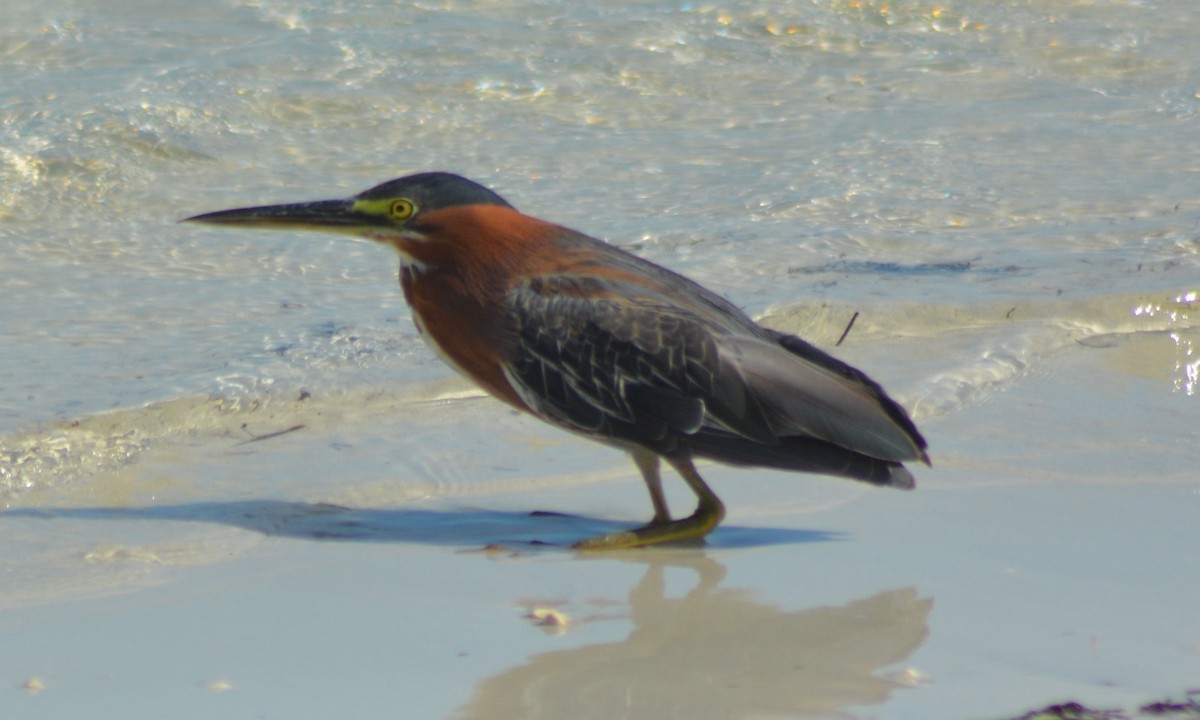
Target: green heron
x,y
607,345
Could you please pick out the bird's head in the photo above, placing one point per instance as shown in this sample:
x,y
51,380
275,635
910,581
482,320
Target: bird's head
x,y
388,212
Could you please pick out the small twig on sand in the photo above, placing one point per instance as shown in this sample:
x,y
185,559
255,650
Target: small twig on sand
x,y
847,330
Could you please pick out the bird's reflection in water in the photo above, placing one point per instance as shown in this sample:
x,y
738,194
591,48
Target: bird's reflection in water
x,y
716,653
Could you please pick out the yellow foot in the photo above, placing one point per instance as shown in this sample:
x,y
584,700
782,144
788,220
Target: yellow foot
x,y
694,527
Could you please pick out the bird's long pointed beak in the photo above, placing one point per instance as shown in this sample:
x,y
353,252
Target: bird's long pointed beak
x,y
330,215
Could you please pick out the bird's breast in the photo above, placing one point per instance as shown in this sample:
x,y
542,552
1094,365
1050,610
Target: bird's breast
x,y
465,330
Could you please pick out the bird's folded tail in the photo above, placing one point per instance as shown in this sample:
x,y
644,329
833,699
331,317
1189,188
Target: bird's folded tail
x,y
800,454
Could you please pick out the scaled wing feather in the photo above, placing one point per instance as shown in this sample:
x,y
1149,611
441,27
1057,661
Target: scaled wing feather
x,y
591,359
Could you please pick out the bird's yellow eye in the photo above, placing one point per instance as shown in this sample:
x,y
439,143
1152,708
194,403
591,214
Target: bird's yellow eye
x,y
402,209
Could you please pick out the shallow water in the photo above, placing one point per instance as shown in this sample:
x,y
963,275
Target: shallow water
x,y
1004,193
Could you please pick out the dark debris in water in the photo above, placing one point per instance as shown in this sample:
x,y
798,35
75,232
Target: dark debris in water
x,y
267,436
1186,709
1189,708
871,267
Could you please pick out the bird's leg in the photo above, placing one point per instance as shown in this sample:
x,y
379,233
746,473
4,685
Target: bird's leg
x,y
709,511
647,463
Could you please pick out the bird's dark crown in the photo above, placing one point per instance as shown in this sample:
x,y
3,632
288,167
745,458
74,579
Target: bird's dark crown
x,y
434,191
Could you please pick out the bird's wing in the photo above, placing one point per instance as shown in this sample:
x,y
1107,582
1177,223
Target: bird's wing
x,y
802,390
610,358
619,359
